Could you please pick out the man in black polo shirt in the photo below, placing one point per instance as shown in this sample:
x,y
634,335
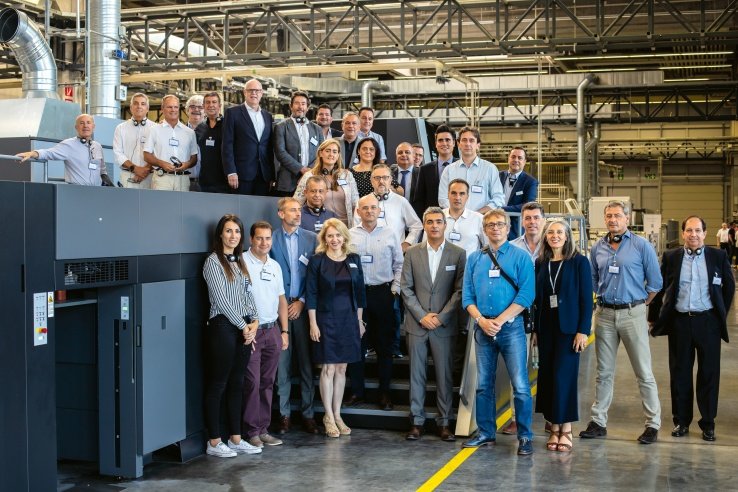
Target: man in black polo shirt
x,y
209,133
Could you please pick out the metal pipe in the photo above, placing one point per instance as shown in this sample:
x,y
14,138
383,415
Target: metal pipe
x,y
594,185
367,90
32,53
47,20
581,138
104,76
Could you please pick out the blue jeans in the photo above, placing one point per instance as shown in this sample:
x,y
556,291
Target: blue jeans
x,y
510,342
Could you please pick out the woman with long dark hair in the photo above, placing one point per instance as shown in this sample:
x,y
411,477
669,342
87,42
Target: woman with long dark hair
x,y
231,328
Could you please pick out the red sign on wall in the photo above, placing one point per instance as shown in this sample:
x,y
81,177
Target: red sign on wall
x,y
69,93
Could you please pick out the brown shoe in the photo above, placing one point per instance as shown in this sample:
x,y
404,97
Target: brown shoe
x,y
414,433
284,425
310,426
510,429
385,403
445,434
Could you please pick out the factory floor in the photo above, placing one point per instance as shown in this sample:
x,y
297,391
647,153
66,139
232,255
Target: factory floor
x,y
375,460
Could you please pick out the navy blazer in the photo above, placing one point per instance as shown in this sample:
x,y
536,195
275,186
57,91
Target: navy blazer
x,y
321,284
524,191
414,172
242,152
663,307
575,296
306,243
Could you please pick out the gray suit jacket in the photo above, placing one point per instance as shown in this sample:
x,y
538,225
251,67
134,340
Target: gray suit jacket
x,y
287,152
442,296
348,162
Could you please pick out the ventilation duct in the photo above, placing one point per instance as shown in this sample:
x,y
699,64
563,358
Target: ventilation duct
x,y
367,90
104,76
581,139
32,53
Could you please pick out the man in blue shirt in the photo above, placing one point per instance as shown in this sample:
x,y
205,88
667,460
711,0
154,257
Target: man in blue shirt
x,y
314,213
496,307
626,278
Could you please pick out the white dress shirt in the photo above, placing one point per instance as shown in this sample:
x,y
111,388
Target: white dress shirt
x,y
266,279
166,141
381,255
304,135
129,141
467,231
397,214
257,119
434,259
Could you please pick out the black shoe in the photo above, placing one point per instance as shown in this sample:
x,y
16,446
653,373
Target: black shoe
x,y
478,440
708,435
649,436
526,447
680,430
385,403
353,400
593,430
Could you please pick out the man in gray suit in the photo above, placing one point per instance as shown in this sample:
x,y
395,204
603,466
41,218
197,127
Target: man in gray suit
x,y
350,139
432,277
296,141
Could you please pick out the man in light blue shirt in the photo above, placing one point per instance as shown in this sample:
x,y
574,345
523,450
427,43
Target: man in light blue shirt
x,y
483,177
366,121
496,306
626,278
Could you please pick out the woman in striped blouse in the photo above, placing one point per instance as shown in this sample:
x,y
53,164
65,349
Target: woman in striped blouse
x,y
231,329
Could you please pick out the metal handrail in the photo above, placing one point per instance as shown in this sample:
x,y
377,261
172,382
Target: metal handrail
x,y
11,157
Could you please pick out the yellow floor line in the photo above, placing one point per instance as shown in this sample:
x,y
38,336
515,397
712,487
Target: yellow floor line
x,y
441,475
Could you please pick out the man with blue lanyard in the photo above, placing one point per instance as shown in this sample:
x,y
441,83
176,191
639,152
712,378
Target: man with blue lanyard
x,y
626,278
498,284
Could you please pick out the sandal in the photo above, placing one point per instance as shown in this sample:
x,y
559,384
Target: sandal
x,y
562,446
343,428
553,441
330,427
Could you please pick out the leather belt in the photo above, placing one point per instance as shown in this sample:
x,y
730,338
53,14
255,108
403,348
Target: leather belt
x,y
266,326
194,180
384,285
162,172
622,306
695,313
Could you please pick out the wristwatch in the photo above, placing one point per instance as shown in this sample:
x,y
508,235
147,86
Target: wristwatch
x,y
476,320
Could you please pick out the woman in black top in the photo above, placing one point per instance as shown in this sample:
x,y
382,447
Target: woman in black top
x,y
231,328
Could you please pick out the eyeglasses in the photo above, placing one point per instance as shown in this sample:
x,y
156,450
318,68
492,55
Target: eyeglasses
x,y
381,178
196,107
495,225
253,91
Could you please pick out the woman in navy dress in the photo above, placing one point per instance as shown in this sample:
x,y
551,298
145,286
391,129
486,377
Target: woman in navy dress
x,y
563,322
335,300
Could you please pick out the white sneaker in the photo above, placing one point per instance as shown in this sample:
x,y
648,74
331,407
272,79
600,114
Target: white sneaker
x,y
220,450
243,447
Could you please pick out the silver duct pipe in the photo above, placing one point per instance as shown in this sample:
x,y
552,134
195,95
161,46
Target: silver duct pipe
x,y
581,138
367,91
104,74
32,53
594,146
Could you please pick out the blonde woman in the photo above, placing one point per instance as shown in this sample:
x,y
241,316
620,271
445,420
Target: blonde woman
x,y
342,195
335,300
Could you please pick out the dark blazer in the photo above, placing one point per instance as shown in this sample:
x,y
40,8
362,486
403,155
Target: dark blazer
x,y
242,152
335,133
663,307
575,296
426,189
348,162
287,152
306,243
321,284
524,191
415,172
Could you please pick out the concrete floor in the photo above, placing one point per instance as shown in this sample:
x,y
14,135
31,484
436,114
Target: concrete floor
x,y
382,460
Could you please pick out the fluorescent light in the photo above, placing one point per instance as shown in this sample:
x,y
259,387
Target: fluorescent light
x,y
603,70
687,80
648,55
695,66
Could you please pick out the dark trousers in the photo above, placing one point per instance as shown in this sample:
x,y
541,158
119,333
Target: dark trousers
x,y
258,385
257,186
215,188
692,335
380,332
226,357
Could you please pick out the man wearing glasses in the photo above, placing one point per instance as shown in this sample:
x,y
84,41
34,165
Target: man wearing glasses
x,y
247,144
496,306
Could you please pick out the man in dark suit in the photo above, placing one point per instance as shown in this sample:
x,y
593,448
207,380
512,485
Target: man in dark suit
x,y
350,139
692,310
426,193
324,118
292,248
296,142
432,276
247,144
404,172
520,187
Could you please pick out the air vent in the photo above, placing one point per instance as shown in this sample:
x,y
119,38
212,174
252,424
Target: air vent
x,y
95,272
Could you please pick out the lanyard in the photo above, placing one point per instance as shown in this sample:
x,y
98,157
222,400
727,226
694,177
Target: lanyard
x,y
553,282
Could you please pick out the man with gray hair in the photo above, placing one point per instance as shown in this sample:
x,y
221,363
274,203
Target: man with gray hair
x,y
194,109
432,275
129,139
350,139
626,278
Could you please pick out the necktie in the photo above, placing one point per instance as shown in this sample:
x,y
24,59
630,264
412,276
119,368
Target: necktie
x,y
403,182
512,182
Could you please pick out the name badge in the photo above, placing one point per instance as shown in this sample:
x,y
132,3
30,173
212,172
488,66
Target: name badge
x,y
353,265
454,236
314,141
367,259
210,142
266,276
143,139
717,280
613,269
494,273
92,166
173,142
381,214
318,226
341,182
303,259
553,301
476,189
450,268
518,193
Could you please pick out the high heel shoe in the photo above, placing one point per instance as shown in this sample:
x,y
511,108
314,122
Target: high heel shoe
x,y
342,427
330,427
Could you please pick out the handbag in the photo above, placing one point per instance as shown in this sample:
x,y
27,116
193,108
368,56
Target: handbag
x,y
526,314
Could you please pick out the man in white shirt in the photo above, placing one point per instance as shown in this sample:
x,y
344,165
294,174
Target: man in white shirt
x,y
128,144
194,108
271,338
171,149
723,238
482,176
463,226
